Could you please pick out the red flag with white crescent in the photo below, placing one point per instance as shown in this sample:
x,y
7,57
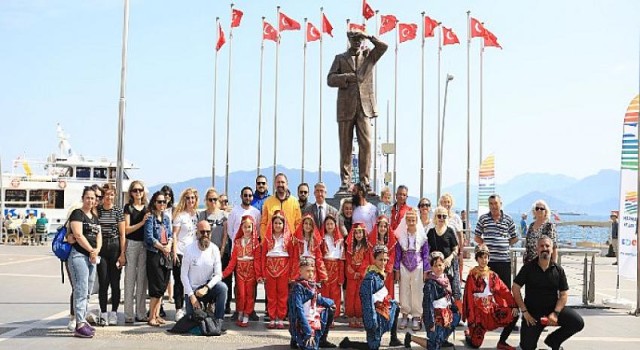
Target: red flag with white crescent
x,y
367,11
313,33
387,23
355,27
477,29
287,23
236,17
407,31
490,39
326,26
221,39
449,37
430,26
269,32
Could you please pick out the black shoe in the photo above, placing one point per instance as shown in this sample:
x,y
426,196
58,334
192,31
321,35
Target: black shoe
x,y
446,344
162,313
293,344
516,328
553,347
266,318
395,342
227,310
327,344
345,343
254,316
615,263
234,317
407,340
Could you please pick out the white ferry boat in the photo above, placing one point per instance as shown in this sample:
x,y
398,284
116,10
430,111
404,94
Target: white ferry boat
x,y
58,183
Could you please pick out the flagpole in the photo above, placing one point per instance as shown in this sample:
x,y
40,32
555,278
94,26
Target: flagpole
x,y
468,196
304,84
422,113
388,123
439,161
481,107
395,112
320,107
275,109
375,123
260,99
348,21
121,107
215,98
226,171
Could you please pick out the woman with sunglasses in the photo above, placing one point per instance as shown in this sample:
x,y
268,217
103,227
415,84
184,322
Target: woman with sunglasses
x,y
455,222
158,242
135,273
185,221
541,226
219,235
424,208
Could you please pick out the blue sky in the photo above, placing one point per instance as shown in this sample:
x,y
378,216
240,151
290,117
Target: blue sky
x,y
554,98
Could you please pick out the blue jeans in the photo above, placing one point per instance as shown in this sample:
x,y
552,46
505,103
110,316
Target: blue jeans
x,y
217,294
83,274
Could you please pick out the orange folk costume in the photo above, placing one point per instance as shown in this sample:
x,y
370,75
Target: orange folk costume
x,y
276,254
356,266
312,251
332,248
390,242
246,261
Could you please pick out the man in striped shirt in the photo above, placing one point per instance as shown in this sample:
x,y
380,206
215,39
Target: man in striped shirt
x,y
497,230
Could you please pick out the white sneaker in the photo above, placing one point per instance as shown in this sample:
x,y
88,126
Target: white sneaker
x,y
403,323
71,326
416,326
103,319
179,314
113,318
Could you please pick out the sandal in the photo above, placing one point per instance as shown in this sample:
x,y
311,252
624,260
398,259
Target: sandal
x,y
271,325
161,320
153,323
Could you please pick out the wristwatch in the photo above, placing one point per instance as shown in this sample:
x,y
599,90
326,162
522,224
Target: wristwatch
x,y
557,313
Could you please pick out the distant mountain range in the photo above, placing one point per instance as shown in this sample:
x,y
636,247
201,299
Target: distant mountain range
x,y
595,195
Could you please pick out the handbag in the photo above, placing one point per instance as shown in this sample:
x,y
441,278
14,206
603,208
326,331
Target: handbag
x,y
166,261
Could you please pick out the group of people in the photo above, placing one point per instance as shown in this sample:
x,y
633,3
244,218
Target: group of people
x,y
316,262
15,224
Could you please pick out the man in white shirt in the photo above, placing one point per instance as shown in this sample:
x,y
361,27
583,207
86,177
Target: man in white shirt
x,y
363,211
235,217
201,273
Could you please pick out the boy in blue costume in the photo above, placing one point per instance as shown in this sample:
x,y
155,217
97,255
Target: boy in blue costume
x,y
309,312
379,311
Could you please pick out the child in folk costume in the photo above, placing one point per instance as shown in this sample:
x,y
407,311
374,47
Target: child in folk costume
x,y
383,235
488,303
332,248
410,267
246,261
306,243
441,316
276,252
309,312
379,311
358,259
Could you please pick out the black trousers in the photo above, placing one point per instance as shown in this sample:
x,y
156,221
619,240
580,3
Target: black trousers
x,y
570,323
109,274
178,288
503,269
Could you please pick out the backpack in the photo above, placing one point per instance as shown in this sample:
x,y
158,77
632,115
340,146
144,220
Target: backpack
x,y
60,247
208,326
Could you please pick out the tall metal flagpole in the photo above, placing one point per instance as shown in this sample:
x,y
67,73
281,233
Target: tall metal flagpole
x,y
468,121
260,100
439,161
422,114
215,102
395,113
304,92
320,107
375,122
226,171
388,133
481,107
121,107
275,109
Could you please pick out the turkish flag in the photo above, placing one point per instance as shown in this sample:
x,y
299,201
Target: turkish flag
x,y
407,31
387,23
449,37
287,23
367,11
490,39
326,26
269,32
236,17
477,29
429,26
355,27
221,39
313,33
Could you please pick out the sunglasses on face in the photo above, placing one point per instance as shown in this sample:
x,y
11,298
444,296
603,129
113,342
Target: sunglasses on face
x,y
189,198
213,199
540,209
261,183
205,232
303,192
424,205
247,195
99,197
441,216
225,201
137,190
161,202
168,195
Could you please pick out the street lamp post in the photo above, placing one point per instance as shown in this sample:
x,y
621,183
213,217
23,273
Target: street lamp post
x,y
441,131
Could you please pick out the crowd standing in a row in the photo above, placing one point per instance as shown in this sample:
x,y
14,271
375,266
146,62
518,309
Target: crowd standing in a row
x,y
353,255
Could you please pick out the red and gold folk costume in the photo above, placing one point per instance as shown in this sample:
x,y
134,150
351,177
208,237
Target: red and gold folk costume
x,y
275,269
390,243
313,251
246,261
334,265
358,259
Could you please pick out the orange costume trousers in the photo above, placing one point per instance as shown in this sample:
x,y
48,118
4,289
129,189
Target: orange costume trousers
x,y
332,289
352,302
277,286
245,286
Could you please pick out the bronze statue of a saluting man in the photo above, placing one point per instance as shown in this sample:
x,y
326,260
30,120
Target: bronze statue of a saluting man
x,y
352,73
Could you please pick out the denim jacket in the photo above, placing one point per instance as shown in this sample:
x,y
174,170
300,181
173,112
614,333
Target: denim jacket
x,y
152,231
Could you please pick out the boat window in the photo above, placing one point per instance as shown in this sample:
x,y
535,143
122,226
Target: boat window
x,y
83,172
99,173
16,198
112,173
48,199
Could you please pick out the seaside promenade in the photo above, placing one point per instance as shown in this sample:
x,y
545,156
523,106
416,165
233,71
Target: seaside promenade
x,y
34,308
